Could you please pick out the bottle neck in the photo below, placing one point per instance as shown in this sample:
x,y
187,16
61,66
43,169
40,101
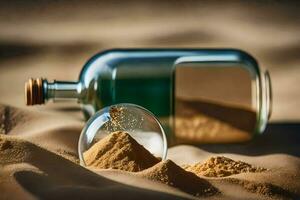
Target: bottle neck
x,y
61,90
38,91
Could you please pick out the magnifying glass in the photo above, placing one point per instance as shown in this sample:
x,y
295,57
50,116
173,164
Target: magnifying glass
x,y
135,120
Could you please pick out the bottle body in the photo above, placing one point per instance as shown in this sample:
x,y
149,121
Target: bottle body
x,y
146,77
141,77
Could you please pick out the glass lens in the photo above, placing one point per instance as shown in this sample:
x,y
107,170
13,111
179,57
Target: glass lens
x,y
138,122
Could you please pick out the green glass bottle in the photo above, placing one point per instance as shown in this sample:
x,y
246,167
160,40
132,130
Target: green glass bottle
x,y
145,77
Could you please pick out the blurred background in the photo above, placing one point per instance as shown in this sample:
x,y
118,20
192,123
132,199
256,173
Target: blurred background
x,y
54,39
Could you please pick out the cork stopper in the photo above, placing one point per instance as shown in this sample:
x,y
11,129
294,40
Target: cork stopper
x,y
34,91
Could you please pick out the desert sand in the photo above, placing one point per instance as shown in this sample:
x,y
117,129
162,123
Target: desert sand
x,y
38,156
42,162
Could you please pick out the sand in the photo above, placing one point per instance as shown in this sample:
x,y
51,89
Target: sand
x,y
50,170
120,151
221,166
203,121
171,174
262,188
28,172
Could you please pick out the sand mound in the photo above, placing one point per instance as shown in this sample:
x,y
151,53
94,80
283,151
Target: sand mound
x,y
171,174
119,151
221,166
14,150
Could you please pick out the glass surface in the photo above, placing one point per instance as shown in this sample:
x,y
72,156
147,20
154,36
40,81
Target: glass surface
x,y
145,77
144,82
138,122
